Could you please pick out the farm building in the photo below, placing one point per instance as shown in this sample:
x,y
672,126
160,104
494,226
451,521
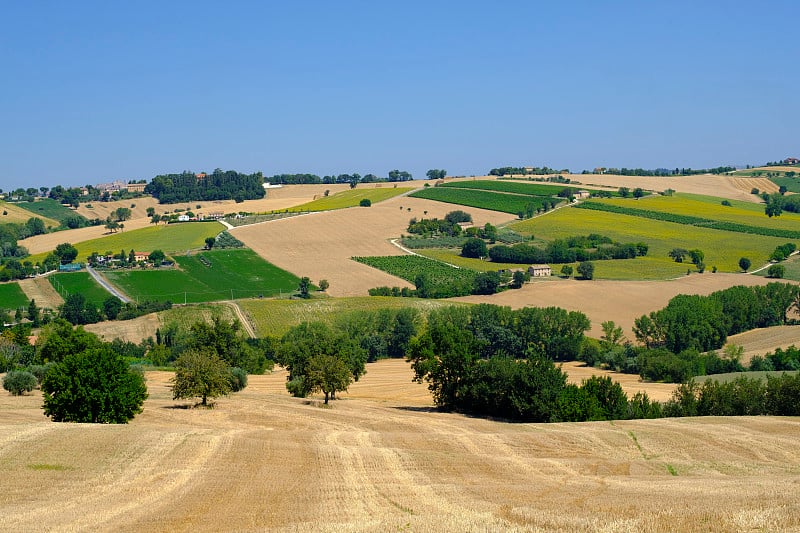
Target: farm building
x,y
582,194
136,187
70,267
184,218
539,271
141,256
464,225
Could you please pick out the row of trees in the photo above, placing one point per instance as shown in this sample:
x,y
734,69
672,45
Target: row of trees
x,y
218,185
353,179
580,248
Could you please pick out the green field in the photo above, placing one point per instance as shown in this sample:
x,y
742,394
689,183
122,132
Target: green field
x,y
225,275
408,267
454,257
731,376
791,184
13,213
722,248
186,316
170,238
792,266
709,207
12,297
514,187
79,282
350,198
493,201
47,207
275,317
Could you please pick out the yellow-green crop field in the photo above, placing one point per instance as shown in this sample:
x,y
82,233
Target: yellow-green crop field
x,y
710,207
351,198
169,239
276,317
722,248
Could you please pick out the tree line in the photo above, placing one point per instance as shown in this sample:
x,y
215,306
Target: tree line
x,y
218,185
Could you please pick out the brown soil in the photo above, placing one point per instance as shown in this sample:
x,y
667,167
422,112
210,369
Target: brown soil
x,y
42,291
620,301
320,245
380,460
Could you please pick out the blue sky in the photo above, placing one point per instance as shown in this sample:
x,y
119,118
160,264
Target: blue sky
x,y
94,91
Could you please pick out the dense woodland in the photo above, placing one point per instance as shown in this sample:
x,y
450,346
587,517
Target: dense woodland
x,y
218,185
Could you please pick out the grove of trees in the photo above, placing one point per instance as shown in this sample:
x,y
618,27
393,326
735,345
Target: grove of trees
x,y
218,185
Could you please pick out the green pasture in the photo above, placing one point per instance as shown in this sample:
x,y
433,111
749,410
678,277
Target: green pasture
x,y
186,316
792,266
351,198
276,317
207,276
170,238
79,282
493,201
12,297
791,184
731,376
696,205
722,248
514,187
15,214
49,208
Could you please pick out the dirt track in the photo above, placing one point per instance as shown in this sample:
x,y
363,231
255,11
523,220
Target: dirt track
x,y
380,460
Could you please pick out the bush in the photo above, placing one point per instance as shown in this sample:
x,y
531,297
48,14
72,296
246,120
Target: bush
x,y
586,269
365,202
776,271
238,379
475,248
95,386
18,382
39,371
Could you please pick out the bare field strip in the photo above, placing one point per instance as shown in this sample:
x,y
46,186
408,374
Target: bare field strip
x,y
620,301
379,460
41,290
320,245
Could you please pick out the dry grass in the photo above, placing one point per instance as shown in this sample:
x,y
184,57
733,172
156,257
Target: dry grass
x,y
762,341
10,213
379,460
41,290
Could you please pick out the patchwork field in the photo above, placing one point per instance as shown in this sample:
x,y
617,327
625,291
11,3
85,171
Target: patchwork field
x,y
351,198
50,211
12,213
12,297
79,282
380,460
207,276
483,199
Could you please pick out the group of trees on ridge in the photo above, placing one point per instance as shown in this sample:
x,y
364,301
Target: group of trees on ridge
x,y
218,185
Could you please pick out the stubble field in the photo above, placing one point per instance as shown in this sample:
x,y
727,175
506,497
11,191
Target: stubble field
x,y
381,460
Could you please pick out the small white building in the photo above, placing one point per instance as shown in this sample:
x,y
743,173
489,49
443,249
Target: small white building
x,y
183,218
539,271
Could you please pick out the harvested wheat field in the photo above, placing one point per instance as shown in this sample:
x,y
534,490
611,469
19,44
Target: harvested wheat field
x,y
134,330
764,340
320,245
620,301
48,242
380,460
42,291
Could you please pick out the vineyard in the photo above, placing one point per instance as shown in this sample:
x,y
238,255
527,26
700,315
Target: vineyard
x,y
493,201
442,280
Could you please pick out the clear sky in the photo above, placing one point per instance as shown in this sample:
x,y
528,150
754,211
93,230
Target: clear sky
x,y
95,91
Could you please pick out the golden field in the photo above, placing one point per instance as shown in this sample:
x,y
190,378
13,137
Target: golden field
x,y
381,460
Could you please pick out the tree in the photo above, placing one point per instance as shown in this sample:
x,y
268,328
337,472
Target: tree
x,y
517,279
112,225
436,174
66,253
624,192
95,386
304,287
122,214
200,374
33,313
18,382
586,269
155,219
612,334
566,270
365,202
744,263
486,282
697,256
776,271
475,248
323,285
454,217
210,241
151,211
328,374
111,307
156,257
58,339
638,192
678,254
774,206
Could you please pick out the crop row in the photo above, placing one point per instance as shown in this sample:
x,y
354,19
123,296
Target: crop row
x,y
493,201
441,280
527,189
690,220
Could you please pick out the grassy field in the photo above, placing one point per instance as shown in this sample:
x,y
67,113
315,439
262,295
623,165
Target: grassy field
x,y
14,213
762,375
711,208
79,282
49,208
275,317
207,276
791,184
170,238
494,201
722,248
186,316
514,187
792,266
350,198
11,296
408,267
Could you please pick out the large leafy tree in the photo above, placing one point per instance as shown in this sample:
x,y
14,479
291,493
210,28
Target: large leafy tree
x,y
200,374
66,252
96,386
328,374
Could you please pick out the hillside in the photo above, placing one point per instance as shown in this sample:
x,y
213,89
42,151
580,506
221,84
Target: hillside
x,y
381,460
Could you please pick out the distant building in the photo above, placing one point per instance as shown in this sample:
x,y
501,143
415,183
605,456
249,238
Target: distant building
x,y
141,256
136,187
200,175
582,194
114,186
791,161
183,218
539,271
464,225
70,267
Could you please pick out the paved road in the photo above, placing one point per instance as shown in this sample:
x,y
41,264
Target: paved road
x,y
106,285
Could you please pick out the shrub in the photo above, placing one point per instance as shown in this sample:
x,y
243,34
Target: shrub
x,y
238,379
39,371
365,202
776,271
586,269
18,382
744,263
